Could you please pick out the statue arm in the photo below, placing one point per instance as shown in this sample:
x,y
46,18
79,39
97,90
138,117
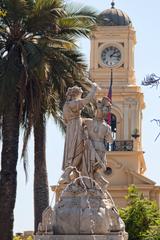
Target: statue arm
x,y
90,97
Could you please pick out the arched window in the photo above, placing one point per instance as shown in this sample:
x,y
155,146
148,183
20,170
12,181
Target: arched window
x,y
113,125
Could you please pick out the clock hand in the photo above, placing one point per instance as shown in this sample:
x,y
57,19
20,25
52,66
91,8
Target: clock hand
x,y
112,54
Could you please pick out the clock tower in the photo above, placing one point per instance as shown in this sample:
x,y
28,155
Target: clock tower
x,y
112,50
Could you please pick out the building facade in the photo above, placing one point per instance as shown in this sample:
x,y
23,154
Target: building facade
x,y
112,53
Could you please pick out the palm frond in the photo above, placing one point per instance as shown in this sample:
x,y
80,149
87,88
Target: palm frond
x,y
16,10
63,42
75,9
24,155
41,5
44,15
76,31
79,20
58,119
67,69
30,4
32,54
54,109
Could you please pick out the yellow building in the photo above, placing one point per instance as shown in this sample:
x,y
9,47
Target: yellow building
x,y
112,47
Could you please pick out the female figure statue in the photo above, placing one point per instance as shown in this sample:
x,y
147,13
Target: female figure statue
x,y
74,141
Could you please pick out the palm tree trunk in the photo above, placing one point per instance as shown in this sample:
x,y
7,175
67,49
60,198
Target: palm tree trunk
x,y
8,174
41,195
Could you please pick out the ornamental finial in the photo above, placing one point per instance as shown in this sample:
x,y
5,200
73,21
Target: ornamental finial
x,y
113,3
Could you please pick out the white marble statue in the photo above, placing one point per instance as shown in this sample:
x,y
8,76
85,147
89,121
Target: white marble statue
x,y
74,140
84,209
98,135
86,139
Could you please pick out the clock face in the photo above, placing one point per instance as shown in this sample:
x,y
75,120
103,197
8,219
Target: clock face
x,y
111,56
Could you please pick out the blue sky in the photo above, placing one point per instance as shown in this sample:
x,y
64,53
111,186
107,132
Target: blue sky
x,y
146,19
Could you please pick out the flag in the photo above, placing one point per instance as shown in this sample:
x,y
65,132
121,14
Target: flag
x,y
110,98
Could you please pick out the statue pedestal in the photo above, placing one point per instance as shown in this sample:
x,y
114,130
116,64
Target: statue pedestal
x,y
109,236
83,212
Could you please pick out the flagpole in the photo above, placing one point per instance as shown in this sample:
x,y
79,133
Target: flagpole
x,y
110,98
111,76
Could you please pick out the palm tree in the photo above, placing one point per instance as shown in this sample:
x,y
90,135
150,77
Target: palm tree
x,y
34,36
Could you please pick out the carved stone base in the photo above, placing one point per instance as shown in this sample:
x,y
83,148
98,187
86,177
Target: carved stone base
x,y
109,236
83,212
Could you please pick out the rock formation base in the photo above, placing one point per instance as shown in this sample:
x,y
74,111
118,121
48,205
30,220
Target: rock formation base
x,y
83,212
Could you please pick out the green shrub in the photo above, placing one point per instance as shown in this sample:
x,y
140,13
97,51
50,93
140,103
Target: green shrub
x,y
141,217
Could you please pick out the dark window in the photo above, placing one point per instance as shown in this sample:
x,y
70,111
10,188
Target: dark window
x,y
113,125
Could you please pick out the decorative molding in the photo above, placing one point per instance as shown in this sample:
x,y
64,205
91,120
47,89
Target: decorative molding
x,y
116,164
